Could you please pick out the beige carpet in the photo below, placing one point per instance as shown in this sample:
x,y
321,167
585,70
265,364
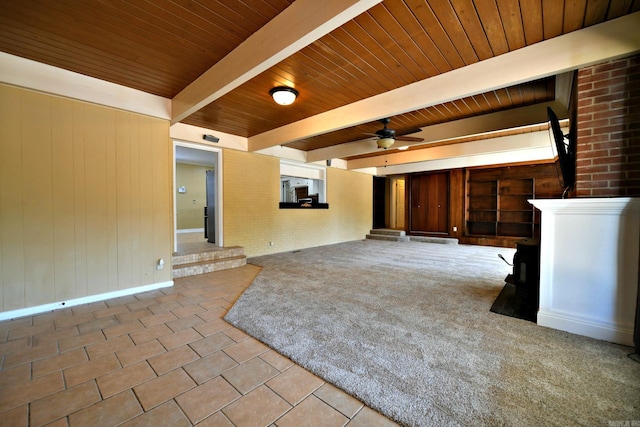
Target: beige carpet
x,y
406,328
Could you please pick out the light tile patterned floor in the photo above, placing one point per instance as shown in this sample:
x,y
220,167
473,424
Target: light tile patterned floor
x,y
161,358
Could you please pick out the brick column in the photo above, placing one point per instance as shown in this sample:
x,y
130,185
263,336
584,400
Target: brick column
x,y
608,131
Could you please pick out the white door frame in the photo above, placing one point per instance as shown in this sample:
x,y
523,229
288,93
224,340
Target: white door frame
x,y
218,208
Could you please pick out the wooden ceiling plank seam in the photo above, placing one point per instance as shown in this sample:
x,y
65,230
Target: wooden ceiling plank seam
x,y
203,28
342,71
296,27
425,43
404,51
618,8
596,12
511,18
230,17
310,59
429,22
470,21
87,61
531,12
489,15
383,41
112,21
451,24
422,46
363,36
553,18
371,63
574,15
360,64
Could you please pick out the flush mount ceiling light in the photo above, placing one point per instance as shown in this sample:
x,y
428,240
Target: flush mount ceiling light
x,y
283,95
404,147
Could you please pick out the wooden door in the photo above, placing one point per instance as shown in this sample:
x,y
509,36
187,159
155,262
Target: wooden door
x,y
429,203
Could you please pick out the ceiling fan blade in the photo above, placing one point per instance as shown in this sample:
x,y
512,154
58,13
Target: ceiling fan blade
x,y
409,138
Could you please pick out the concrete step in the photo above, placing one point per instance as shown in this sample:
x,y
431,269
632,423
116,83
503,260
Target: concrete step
x,y
387,232
207,255
389,238
207,266
427,239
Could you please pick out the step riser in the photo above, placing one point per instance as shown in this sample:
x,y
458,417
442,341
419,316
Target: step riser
x,y
442,240
388,238
387,232
217,265
420,239
207,256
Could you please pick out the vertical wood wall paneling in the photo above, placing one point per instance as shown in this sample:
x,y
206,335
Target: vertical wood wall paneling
x,y
146,199
456,201
85,202
123,183
37,198
161,209
96,201
111,199
12,265
64,280
136,232
79,194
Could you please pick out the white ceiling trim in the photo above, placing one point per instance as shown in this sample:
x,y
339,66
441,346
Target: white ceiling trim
x,y
299,25
29,74
606,41
509,119
528,147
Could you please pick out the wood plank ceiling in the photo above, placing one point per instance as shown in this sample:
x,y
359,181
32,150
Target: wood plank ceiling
x,y
160,47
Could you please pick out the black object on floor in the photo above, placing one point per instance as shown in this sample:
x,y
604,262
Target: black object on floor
x,y
507,304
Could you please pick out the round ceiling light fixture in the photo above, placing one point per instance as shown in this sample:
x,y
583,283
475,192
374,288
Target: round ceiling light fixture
x,y
385,142
283,95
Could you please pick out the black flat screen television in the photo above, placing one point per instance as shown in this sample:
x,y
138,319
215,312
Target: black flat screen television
x,y
563,152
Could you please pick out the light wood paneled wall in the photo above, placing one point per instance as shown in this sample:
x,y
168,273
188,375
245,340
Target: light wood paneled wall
x,y
85,199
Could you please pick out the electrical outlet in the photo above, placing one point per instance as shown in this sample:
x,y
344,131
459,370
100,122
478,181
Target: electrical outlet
x,y
455,228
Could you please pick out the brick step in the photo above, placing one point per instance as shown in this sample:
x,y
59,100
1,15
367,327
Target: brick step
x,y
210,255
207,266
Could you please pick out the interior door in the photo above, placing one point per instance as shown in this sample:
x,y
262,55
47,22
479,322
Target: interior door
x,y
211,206
429,203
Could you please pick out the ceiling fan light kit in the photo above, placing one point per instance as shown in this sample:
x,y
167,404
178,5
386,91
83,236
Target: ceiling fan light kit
x,y
385,142
283,95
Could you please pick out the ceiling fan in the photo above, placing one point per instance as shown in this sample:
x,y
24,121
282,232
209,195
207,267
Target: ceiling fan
x,y
386,137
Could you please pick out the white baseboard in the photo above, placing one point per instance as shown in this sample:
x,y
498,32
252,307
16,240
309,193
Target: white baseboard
x,y
587,327
30,311
190,230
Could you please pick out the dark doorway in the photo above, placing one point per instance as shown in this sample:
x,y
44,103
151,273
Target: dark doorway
x,y
210,220
429,204
379,191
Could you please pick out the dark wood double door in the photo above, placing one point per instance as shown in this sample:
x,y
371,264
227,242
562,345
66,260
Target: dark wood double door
x,y
429,203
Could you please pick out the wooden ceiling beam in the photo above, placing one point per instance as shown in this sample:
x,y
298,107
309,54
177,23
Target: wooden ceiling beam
x,y
299,25
508,119
606,41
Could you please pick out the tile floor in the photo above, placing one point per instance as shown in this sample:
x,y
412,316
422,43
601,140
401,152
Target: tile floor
x,y
161,358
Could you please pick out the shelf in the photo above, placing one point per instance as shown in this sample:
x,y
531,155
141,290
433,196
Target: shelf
x,y
500,208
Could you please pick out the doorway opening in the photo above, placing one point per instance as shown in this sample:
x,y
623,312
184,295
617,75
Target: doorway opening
x,y
397,210
197,201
